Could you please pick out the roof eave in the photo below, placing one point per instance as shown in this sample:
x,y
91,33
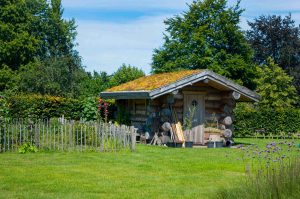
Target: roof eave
x,y
125,95
206,74
233,86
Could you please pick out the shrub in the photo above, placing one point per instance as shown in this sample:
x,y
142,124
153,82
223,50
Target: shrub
x,y
27,147
248,120
43,107
46,107
4,108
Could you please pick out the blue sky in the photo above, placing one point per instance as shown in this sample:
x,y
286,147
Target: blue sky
x,y
112,32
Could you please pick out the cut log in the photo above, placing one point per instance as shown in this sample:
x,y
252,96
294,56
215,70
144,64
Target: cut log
x,y
227,121
222,127
227,133
236,95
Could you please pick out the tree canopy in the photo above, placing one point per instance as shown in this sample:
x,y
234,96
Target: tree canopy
x,y
37,51
207,36
275,86
277,37
125,74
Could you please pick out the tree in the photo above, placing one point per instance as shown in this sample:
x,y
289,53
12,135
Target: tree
x,y
59,34
125,74
19,22
37,44
207,36
6,78
94,83
275,86
276,37
51,76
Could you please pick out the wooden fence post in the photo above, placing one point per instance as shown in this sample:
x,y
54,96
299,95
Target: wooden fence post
x,y
133,137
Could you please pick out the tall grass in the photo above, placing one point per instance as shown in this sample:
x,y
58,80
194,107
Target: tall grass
x,y
271,172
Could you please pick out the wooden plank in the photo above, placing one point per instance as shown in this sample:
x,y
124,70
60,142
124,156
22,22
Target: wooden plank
x,y
179,131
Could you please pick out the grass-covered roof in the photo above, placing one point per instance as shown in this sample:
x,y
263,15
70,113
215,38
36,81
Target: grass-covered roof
x,y
152,82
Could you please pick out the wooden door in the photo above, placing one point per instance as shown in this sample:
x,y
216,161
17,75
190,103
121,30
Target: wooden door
x,y
198,101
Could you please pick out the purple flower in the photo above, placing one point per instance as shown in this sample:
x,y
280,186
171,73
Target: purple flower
x,y
273,143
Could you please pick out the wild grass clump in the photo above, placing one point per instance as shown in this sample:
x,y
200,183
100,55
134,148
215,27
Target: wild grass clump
x,y
271,172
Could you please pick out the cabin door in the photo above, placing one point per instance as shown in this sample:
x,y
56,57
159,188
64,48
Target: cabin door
x,y
197,102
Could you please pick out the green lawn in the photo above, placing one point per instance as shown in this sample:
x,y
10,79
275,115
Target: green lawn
x,y
150,172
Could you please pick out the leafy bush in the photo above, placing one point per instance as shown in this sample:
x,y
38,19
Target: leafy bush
x,y
39,106
27,147
4,108
248,120
89,108
46,107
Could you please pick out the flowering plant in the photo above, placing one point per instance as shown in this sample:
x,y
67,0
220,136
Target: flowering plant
x,y
102,105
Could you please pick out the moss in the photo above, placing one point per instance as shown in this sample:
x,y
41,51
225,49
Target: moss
x,y
152,82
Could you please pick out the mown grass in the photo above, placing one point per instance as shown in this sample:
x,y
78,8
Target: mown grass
x,y
150,172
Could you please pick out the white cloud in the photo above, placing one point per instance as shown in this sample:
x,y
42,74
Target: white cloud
x,y
105,46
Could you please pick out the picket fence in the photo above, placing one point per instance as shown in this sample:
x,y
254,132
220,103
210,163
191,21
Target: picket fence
x,y
63,135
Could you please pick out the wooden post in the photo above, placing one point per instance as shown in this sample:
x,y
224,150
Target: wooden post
x,y
62,136
133,137
101,132
70,136
81,137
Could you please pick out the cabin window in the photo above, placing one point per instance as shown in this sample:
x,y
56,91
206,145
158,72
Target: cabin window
x,y
194,103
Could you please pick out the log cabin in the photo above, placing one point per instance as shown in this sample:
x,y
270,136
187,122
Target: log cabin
x,y
155,99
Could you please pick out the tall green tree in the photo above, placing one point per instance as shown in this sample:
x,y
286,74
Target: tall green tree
x,y
94,83
60,34
52,77
277,37
38,45
19,27
207,36
275,86
125,74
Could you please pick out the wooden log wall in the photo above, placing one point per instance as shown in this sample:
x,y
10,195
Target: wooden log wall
x,y
217,103
154,112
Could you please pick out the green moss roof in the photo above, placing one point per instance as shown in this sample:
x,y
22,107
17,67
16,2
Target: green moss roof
x,y
152,82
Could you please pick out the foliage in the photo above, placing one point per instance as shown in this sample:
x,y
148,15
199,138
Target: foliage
x,y
188,119
37,49
271,121
207,36
6,78
46,107
283,47
4,108
19,25
275,87
154,81
89,108
42,107
123,115
93,84
103,109
33,29
125,74
28,148
275,168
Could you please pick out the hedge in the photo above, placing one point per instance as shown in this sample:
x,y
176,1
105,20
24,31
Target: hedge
x,y
38,106
46,107
270,121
